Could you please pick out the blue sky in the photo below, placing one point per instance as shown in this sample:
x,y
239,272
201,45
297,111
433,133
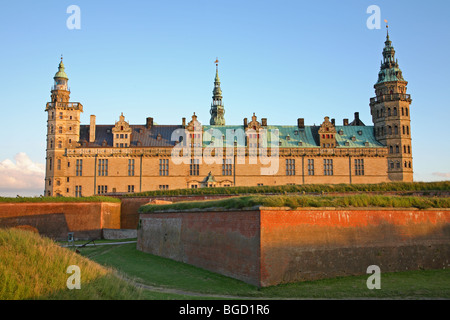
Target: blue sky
x,y
282,60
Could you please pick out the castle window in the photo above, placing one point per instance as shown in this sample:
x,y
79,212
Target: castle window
x,y
194,186
103,167
398,164
390,130
391,149
163,167
395,111
403,111
409,164
227,167
102,189
407,130
389,112
397,149
70,140
395,130
131,188
53,115
51,144
164,187
130,167
59,144
121,145
59,164
404,149
60,130
328,167
194,167
391,164
405,164
79,168
78,191
406,111
49,182
290,167
51,129
409,149
403,129
60,115
310,167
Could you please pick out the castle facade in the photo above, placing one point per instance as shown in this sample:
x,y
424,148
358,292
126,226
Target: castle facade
x,y
85,160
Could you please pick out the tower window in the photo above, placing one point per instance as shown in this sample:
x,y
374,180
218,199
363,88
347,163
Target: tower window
x,y
406,111
391,149
397,149
395,130
310,167
407,130
290,167
395,111
227,167
60,130
78,191
163,167
61,114
194,167
79,167
131,167
328,167
103,167
409,149
359,167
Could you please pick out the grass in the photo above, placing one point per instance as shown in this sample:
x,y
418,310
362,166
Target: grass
x,y
296,201
33,267
20,199
157,271
309,188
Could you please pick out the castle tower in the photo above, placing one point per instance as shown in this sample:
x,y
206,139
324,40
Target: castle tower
x,y
390,111
217,109
63,132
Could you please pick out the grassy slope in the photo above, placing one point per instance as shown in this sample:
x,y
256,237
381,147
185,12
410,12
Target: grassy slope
x,y
58,199
158,271
309,188
32,267
295,201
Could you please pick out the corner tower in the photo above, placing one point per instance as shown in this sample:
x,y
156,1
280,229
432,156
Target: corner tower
x,y
390,111
63,132
217,109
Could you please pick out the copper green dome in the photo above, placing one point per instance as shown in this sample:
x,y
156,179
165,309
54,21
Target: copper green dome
x,y
61,73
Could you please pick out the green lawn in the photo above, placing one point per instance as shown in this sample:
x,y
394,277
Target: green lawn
x,y
156,271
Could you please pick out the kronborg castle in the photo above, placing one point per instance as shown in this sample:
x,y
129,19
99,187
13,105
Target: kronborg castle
x,y
83,160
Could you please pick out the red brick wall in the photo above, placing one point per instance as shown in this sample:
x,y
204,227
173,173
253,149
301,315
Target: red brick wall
x,y
312,244
55,220
223,242
274,246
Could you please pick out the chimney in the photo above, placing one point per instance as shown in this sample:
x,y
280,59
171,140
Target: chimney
x,y
149,123
92,129
333,122
264,122
301,123
183,122
357,117
345,122
245,122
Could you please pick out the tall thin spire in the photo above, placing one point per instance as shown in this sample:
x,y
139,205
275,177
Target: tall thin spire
x,y
389,70
217,109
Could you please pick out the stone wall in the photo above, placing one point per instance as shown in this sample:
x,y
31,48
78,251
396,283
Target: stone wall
x,y
275,245
54,220
223,242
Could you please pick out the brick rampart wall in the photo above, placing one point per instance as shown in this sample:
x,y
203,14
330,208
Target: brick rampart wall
x,y
272,245
55,220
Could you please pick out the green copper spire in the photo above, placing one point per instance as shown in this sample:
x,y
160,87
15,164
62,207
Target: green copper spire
x,y
61,73
217,109
389,70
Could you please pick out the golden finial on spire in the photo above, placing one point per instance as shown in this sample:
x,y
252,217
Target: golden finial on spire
x,y
217,62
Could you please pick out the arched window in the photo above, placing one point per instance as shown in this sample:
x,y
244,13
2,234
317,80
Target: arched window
x,y
403,129
406,164
409,164
404,149
395,111
403,111
390,130
406,111
395,130
407,130
391,149
409,149
397,149
389,112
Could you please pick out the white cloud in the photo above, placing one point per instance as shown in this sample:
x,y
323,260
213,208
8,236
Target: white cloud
x,y
23,176
442,174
